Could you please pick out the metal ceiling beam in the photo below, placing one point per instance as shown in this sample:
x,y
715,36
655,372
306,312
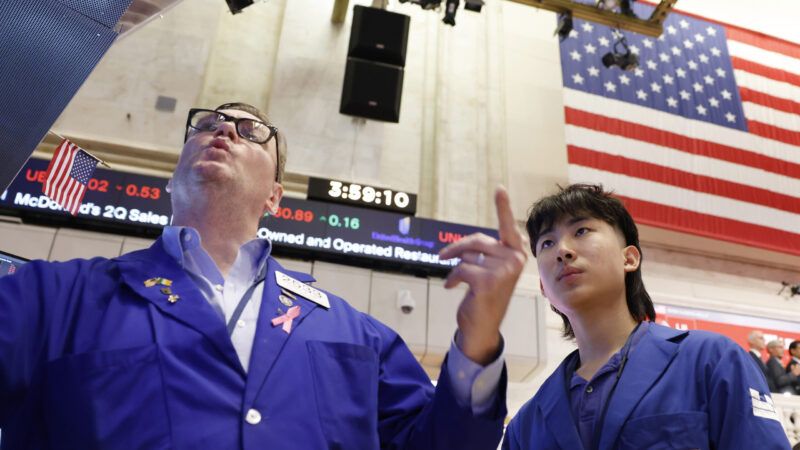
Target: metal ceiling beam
x,y
339,11
653,26
142,11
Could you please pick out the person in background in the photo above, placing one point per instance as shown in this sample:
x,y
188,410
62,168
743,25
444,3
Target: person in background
x,y
757,343
794,352
205,341
631,384
782,380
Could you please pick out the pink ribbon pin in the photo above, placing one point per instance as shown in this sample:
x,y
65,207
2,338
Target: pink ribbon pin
x,y
287,319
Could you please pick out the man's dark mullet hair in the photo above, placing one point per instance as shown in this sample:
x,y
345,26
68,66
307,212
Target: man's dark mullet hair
x,y
591,200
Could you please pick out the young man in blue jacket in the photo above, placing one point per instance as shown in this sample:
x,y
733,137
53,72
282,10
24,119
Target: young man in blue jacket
x,y
632,384
205,341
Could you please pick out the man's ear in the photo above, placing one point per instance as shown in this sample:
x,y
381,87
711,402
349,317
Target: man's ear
x,y
274,200
632,258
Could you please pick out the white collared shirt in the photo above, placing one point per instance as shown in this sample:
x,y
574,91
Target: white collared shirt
x,y
223,293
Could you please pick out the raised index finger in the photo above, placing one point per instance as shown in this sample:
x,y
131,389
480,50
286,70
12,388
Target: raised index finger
x,y
507,226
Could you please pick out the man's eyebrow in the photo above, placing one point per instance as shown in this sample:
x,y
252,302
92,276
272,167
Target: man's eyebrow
x,y
544,232
571,221
577,219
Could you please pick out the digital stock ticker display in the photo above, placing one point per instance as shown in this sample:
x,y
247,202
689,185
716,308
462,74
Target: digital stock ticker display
x,y
377,236
111,197
139,204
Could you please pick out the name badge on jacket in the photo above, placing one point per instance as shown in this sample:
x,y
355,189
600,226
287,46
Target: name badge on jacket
x,y
302,289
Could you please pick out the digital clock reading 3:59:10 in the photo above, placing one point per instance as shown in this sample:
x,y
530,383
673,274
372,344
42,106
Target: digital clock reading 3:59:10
x,y
361,195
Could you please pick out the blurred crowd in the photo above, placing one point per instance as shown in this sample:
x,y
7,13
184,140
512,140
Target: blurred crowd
x,y
782,377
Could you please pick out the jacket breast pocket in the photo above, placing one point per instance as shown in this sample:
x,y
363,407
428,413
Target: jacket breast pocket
x,y
684,430
106,400
346,390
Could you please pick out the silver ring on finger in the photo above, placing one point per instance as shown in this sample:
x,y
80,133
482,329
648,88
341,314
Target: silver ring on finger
x,y
481,259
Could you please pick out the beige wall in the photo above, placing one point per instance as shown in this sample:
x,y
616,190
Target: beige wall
x,y
481,105
167,57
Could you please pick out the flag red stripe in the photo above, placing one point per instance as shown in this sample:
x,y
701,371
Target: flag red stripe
x,y
66,185
78,199
685,221
760,98
679,142
72,187
766,72
75,195
678,178
66,192
59,149
62,174
762,41
772,132
56,169
61,188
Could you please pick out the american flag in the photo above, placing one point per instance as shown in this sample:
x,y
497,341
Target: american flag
x,y
67,176
703,137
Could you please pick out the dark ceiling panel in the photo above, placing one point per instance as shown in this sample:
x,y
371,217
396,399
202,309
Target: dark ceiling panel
x,y
48,50
107,12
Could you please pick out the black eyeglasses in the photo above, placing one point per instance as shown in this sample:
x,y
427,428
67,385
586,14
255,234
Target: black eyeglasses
x,y
207,120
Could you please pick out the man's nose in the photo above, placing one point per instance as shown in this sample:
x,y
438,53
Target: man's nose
x,y
227,129
565,252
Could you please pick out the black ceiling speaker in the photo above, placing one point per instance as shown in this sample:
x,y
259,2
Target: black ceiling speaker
x,y
379,35
372,90
236,6
373,79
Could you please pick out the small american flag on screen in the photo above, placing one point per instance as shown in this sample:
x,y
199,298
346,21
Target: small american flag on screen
x,y
67,176
703,137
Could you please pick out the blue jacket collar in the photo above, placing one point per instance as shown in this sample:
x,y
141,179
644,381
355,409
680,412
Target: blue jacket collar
x,y
651,357
191,308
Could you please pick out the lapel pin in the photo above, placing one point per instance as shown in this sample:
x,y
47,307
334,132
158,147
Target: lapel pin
x,y
288,293
287,319
166,291
173,298
285,300
150,282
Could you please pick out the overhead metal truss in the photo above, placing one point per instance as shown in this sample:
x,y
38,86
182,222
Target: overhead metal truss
x,y
652,26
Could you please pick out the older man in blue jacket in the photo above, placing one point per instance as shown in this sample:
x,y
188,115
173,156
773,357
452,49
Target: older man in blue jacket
x,y
204,341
